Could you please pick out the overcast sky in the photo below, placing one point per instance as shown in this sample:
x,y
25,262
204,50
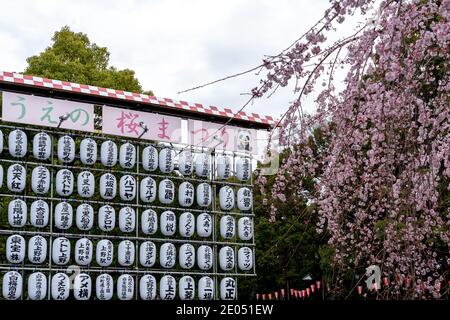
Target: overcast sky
x,y
172,45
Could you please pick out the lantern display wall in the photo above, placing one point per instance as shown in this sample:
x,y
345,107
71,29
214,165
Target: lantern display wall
x,y
127,214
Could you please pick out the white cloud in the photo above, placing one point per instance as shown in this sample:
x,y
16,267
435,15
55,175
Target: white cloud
x,y
172,45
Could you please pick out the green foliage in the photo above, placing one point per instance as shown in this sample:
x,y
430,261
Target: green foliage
x,y
72,57
287,249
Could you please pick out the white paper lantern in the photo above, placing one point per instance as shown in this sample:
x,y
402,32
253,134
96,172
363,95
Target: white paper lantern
x,y
228,289
17,213
86,184
104,287
61,251
127,155
125,287
149,222
17,143
40,180
167,255
127,187
243,168
245,228
108,186
127,219
186,288
226,258
224,167
37,249
104,253
82,286
15,249
147,254
167,288
187,224
204,257
186,193
108,153
204,195
106,218
205,288
227,227
83,251
244,199
150,158
126,253
39,213
60,286
226,198
168,223
147,287
66,149
245,258
166,160
64,182
63,215
16,178
37,286
186,258
84,217
12,285
202,164
147,190
166,191
204,225
244,140
185,163
42,146
88,151
1,175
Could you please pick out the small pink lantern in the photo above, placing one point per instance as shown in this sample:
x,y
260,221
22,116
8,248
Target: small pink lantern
x,y
360,289
318,283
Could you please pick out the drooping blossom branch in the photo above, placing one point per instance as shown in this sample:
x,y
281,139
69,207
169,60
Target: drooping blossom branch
x,y
382,179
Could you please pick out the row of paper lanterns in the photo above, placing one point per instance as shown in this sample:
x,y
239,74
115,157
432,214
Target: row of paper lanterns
x,y
294,293
315,287
60,287
110,154
188,255
40,184
84,220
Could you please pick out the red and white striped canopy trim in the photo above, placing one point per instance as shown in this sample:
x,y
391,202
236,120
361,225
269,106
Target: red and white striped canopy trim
x,y
17,78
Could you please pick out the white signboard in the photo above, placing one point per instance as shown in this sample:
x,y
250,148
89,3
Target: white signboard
x,y
42,111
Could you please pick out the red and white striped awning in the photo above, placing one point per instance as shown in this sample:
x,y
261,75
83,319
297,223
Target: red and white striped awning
x,y
21,79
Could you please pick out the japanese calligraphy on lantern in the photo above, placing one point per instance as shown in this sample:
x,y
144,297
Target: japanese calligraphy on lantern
x,y
214,135
126,123
42,111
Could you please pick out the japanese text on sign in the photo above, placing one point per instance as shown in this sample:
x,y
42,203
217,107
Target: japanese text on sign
x,y
213,135
123,122
41,111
